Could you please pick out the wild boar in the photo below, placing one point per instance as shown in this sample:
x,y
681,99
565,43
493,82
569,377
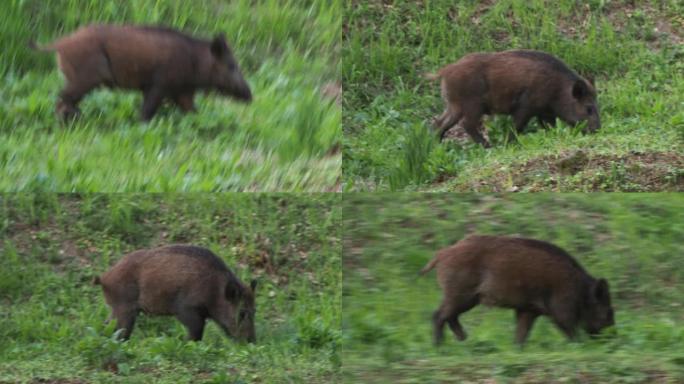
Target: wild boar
x,y
530,276
161,62
186,281
520,83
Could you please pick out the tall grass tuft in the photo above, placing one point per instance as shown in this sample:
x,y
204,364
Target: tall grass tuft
x,y
413,167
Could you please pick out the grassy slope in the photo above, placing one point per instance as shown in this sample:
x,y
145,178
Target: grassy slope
x,y
52,319
633,240
635,53
285,140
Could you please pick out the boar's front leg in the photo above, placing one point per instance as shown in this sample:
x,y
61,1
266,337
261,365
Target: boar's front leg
x,y
125,319
546,121
194,321
564,315
521,117
524,319
152,99
185,102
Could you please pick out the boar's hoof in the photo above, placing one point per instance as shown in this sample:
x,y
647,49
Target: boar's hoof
x,y
66,111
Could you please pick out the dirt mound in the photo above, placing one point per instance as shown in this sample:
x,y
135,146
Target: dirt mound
x,y
579,171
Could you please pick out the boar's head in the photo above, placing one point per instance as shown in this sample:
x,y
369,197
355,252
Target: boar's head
x,y
598,312
238,314
581,105
225,73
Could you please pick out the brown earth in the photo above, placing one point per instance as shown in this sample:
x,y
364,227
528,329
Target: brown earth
x,y
635,171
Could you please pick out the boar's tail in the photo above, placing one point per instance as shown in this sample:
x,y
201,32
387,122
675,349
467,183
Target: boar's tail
x,y
429,265
431,76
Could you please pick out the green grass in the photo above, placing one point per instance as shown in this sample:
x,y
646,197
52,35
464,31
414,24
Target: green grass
x,y
286,140
52,319
633,49
635,241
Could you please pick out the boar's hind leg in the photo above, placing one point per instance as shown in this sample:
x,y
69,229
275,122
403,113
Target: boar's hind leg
x,y
448,313
194,321
71,95
446,121
82,75
525,320
438,120
438,321
546,121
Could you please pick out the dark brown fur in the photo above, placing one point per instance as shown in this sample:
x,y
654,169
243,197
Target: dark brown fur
x,y
530,276
520,83
188,282
161,62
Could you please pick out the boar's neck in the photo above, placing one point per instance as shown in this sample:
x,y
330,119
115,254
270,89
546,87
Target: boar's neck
x,y
203,66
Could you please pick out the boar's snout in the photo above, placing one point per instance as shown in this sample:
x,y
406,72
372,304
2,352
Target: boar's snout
x,y
598,311
233,84
594,122
240,311
244,331
592,118
226,75
585,106
243,93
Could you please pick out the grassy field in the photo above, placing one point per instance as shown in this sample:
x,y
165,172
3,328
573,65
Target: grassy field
x,y
633,48
288,139
52,320
635,241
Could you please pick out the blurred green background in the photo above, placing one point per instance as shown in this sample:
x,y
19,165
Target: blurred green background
x,y
636,241
286,140
52,319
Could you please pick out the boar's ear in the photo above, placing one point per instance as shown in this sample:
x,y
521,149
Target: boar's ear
x,y
253,284
579,90
219,46
601,291
233,290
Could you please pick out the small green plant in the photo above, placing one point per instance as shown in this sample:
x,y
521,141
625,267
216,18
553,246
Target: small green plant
x,y
316,334
104,352
413,167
